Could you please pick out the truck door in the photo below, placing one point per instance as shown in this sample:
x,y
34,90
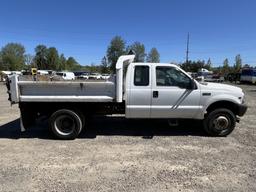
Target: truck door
x,y
171,97
139,92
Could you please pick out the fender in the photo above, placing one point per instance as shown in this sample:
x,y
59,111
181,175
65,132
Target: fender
x,y
205,103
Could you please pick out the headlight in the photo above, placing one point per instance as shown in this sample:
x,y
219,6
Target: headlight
x,y
242,99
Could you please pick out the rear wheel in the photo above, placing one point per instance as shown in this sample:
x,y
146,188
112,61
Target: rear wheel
x,y
82,117
220,122
66,124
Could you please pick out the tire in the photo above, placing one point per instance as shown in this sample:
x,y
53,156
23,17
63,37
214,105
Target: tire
x,y
65,124
82,117
220,122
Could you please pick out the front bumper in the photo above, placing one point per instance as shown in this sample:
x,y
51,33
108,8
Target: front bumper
x,y
242,108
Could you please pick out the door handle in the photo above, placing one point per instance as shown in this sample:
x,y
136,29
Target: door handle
x,y
155,94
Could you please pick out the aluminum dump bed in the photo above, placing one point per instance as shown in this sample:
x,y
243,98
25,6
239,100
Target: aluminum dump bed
x,y
70,91
61,91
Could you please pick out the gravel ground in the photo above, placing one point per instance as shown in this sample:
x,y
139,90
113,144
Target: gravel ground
x,y
120,155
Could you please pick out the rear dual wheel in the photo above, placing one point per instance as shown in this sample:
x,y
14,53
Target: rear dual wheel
x,y
66,123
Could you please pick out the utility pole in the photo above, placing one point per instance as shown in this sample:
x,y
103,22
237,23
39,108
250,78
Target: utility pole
x,y
187,52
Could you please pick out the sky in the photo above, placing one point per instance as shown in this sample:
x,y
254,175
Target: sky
x,y
83,29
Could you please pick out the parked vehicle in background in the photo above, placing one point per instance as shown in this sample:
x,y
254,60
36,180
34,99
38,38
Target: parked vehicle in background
x,y
84,76
4,75
193,75
51,72
15,73
105,76
6,72
203,74
233,77
200,78
248,75
95,76
42,72
214,78
26,72
78,73
66,75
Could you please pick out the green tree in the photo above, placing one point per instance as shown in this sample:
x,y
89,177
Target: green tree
x,y
2,65
72,64
41,57
104,65
225,68
153,56
29,59
13,57
208,64
238,63
139,50
52,58
193,66
62,63
115,50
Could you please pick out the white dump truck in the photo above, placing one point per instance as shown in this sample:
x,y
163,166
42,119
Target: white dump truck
x,y
139,90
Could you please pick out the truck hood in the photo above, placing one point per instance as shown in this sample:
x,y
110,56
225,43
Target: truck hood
x,y
220,87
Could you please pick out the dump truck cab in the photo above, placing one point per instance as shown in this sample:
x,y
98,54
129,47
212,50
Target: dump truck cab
x,y
155,90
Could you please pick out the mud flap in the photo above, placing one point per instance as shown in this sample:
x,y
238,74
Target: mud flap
x,y
22,128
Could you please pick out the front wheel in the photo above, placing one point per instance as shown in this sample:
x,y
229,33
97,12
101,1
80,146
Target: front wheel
x,y
66,124
220,122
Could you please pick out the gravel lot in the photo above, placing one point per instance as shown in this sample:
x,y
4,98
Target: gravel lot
x,y
120,155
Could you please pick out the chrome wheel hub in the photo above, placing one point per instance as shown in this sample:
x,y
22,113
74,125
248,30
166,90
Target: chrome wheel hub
x,y
64,124
221,123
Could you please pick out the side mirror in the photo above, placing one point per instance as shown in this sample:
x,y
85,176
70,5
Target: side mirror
x,y
190,86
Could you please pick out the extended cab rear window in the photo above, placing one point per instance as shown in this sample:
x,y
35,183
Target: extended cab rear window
x,y
141,76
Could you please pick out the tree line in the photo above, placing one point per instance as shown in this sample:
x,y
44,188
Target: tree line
x,y
194,66
118,47
227,68
13,57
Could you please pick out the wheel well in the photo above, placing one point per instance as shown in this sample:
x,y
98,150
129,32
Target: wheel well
x,y
223,104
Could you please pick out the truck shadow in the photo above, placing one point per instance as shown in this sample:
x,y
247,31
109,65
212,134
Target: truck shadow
x,y
109,126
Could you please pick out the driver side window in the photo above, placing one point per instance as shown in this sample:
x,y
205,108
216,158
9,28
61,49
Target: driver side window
x,y
171,76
